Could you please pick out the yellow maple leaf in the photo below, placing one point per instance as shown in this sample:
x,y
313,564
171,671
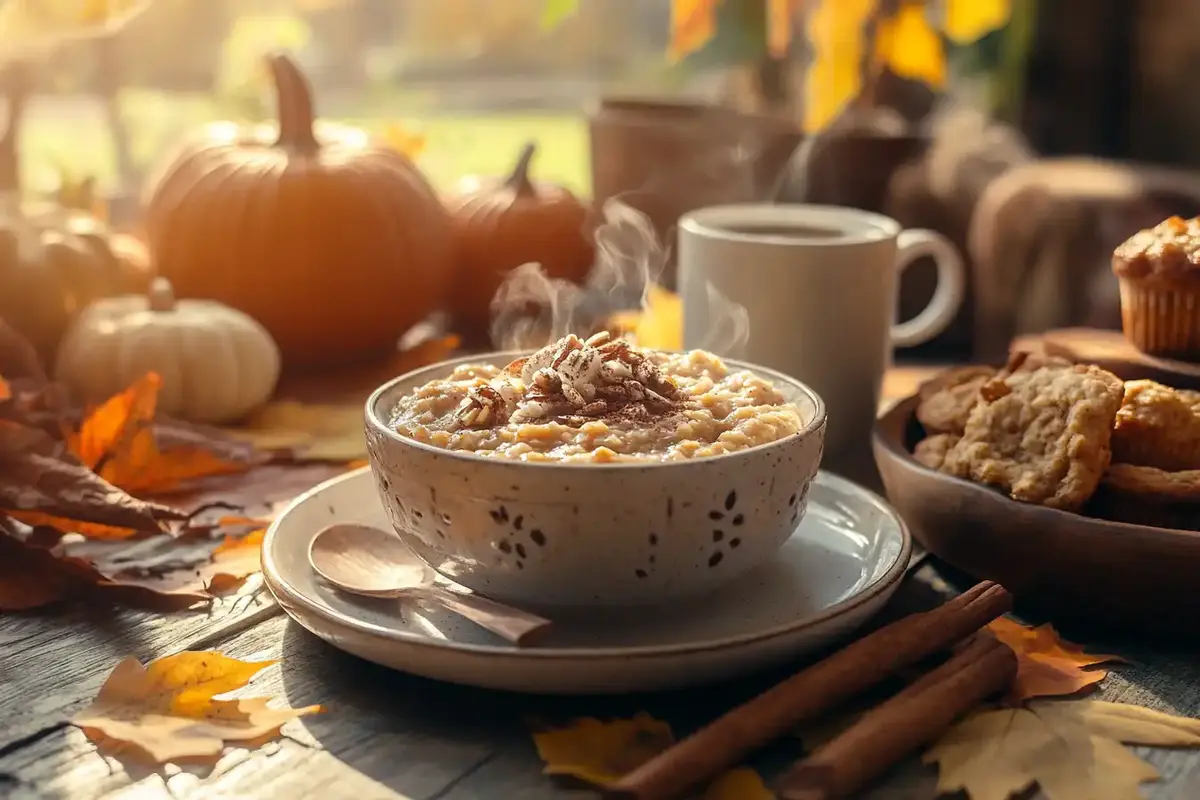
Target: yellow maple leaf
x,y
659,325
834,78
966,21
909,45
693,25
167,710
1072,749
600,753
738,784
399,138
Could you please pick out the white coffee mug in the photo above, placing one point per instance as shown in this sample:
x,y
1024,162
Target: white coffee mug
x,y
818,284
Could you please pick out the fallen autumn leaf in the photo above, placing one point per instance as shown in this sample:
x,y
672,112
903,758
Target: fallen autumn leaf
x,y
1072,749
1048,666
43,484
119,442
599,753
316,432
167,710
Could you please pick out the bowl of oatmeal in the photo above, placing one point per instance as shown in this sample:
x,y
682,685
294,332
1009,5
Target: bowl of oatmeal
x,y
593,473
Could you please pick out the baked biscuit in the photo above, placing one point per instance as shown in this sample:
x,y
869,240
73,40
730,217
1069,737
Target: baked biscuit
x,y
1149,496
1156,426
931,451
947,400
1043,435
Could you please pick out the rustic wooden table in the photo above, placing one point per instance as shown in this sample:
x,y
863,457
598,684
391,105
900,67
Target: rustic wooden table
x,y
390,735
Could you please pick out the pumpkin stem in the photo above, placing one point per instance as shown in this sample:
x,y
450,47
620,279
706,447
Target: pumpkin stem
x,y
519,181
294,99
18,86
161,295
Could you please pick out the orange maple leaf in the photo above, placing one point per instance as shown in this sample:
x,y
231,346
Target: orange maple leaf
x,y
5,389
117,441
1047,666
693,25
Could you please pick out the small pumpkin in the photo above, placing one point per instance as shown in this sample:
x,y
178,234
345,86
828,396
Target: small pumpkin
x,y
337,244
502,225
54,260
216,363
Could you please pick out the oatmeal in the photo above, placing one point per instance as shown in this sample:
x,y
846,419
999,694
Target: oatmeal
x,y
600,400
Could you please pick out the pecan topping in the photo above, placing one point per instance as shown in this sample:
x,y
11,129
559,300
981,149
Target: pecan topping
x,y
575,379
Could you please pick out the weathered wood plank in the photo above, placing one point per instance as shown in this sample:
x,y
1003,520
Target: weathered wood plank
x,y
53,662
388,735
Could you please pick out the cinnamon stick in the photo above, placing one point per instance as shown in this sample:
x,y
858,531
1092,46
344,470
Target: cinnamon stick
x,y
858,666
896,728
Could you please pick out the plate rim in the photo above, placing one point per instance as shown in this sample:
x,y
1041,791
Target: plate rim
x,y
278,586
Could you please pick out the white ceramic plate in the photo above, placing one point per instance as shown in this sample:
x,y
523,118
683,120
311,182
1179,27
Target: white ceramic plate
x,y
842,564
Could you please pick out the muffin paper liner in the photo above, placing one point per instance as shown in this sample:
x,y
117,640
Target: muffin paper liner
x,y
1161,321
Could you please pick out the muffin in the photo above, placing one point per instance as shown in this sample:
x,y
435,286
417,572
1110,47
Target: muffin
x,y
1158,270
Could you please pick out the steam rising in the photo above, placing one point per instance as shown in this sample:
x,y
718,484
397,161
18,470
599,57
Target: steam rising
x,y
531,309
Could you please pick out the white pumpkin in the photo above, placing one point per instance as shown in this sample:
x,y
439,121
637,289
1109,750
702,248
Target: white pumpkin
x,y
216,363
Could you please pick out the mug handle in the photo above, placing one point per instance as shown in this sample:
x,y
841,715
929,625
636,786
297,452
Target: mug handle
x,y
947,297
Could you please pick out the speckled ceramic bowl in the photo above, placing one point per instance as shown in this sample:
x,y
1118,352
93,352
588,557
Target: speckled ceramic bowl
x,y
590,535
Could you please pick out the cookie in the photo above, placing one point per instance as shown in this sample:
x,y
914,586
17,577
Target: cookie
x,y
1149,496
931,451
947,400
1157,426
1042,435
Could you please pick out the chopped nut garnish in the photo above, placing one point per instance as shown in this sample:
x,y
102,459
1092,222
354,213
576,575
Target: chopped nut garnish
x,y
573,378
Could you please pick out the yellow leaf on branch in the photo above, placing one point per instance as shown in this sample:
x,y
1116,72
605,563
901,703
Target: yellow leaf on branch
x,y
834,78
966,21
693,25
166,710
910,47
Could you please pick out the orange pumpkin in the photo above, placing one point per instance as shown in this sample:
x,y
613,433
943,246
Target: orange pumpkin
x,y
335,243
505,224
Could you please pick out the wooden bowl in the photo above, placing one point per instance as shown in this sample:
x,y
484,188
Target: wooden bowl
x,y
1070,565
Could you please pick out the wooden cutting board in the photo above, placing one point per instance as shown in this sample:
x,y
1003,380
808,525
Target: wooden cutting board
x,y
1110,350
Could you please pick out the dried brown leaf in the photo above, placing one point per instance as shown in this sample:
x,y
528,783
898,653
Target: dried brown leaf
x,y
180,571
42,483
32,577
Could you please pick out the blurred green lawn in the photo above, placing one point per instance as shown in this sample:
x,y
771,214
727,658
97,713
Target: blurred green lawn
x,y
71,134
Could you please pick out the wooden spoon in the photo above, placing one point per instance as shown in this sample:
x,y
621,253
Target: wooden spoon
x,y
371,562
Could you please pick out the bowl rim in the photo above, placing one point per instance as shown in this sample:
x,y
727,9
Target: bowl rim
x,y
376,422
